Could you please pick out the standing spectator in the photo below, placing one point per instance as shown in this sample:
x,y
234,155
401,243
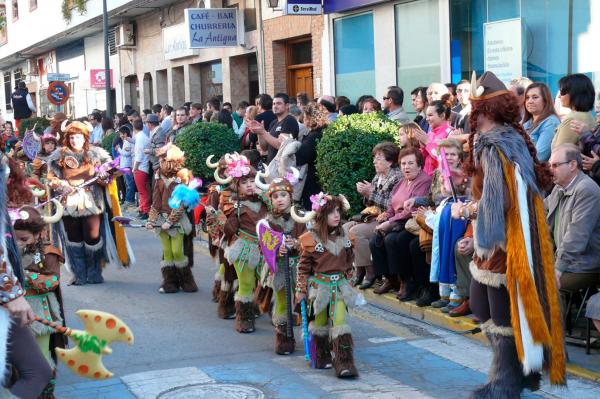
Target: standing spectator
x,y
392,104
126,157
518,87
438,113
348,110
181,121
329,103
145,114
315,119
302,99
463,108
97,135
246,143
166,118
213,105
435,91
157,140
576,93
141,168
370,105
297,113
228,107
264,115
285,123
108,126
573,215
419,104
22,103
195,113
224,118
238,118
540,120
133,115
341,102
452,91
157,109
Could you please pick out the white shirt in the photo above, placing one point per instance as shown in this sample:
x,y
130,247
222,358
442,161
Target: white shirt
x,y
142,142
97,134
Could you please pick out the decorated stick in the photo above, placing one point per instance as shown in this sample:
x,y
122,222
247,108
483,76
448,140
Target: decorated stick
x,y
101,329
305,330
128,222
288,291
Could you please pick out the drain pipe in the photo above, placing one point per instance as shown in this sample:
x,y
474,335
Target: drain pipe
x,y
262,75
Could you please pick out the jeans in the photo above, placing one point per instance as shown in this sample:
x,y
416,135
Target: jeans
x,y
129,188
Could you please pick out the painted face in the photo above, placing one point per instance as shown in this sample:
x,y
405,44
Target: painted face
x,y
433,118
382,166
246,186
25,238
281,200
333,217
409,167
534,102
49,146
77,141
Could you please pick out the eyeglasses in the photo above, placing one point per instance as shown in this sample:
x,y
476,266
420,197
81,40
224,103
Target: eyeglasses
x,y
379,158
555,165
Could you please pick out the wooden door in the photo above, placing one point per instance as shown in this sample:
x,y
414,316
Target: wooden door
x,y
301,79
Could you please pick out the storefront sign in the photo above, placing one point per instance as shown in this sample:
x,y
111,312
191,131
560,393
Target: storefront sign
x,y
176,43
58,93
502,49
332,6
98,78
58,77
212,27
304,7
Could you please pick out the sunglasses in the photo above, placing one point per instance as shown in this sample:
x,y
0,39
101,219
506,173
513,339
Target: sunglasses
x,y
385,98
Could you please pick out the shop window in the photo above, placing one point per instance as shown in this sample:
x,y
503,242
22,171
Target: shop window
x,y
417,45
15,10
354,56
211,80
7,90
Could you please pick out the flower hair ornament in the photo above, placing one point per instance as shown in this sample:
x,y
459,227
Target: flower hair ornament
x,y
238,166
318,202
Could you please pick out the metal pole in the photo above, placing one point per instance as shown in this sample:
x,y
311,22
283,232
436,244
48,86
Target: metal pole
x,y
106,61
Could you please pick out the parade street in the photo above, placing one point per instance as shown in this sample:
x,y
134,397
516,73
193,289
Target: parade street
x,y
182,350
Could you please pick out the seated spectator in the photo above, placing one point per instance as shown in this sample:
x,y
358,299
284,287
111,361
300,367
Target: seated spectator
x,y
577,93
392,259
438,115
463,255
392,104
592,310
573,215
376,198
540,120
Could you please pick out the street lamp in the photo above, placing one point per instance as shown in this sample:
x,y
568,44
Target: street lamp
x,y
273,3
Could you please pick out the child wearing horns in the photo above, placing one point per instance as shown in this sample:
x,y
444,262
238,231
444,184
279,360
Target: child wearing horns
x,y
325,264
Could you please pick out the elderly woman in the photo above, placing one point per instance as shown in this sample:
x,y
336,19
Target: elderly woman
x,y
540,120
387,246
376,196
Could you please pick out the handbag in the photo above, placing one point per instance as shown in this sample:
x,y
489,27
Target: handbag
x,y
425,234
412,226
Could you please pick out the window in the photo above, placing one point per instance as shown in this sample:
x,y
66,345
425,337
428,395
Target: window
x,y
18,75
7,90
15,10
250,15
211,80
32,5
112,48
354,56
300,53
417,46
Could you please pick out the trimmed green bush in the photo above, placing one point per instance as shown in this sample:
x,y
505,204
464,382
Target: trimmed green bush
x,y
107,142
201,140
344,154
41,125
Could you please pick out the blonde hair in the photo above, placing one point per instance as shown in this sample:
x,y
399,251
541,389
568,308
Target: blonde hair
x,y
410,128
315,116
251,112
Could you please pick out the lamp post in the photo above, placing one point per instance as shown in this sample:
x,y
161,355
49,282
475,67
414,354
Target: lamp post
x,y
106,61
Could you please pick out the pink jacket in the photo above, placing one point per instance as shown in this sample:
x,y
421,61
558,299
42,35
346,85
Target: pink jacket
x,y
430,151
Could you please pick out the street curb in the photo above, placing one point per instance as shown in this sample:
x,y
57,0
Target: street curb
x,y
457,324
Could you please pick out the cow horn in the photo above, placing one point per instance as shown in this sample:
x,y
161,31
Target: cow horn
x,y
212,165
58,214
302,219
259,183
345,203
220,180
63,125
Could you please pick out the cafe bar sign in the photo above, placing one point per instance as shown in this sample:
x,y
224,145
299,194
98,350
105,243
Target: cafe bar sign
x,y
212,27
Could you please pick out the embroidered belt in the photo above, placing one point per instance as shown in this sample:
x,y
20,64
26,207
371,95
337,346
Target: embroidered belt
x,y
332,281
247,236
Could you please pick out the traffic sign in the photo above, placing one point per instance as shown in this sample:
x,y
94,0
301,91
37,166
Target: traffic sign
x,y
58,77
58,93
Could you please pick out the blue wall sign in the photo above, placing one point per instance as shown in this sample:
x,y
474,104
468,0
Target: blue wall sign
x,y
304,7
212,27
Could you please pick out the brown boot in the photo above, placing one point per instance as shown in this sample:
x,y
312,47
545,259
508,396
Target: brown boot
x,y
170,283
217,287
226,307
185,276
284,345
320,347
263,297
244,314
389,284
343,358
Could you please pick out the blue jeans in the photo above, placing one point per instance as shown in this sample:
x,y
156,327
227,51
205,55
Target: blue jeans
x,y
129,188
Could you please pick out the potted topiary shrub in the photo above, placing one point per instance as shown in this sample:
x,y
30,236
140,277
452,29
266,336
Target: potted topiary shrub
x,y
201,140
344,154
40,125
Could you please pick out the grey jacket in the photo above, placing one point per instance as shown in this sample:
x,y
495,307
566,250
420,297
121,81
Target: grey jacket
x,y
157,140
578,215
399,115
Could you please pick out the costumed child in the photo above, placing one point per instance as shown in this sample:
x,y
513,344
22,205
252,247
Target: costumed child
x,y
280,193
41,264
49,143
172,224
241,243
323,269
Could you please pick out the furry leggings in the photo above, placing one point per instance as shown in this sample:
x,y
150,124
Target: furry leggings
x,y
246,280
172,247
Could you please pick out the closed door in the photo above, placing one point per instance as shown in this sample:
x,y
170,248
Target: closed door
x,y
301,80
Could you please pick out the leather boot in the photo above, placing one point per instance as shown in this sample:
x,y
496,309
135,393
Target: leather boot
x,y
428,295
217,287
170,283
411,292
284,345
461,310
94,255
226,306
244,315
343,357
186,279
320,353
359,275
389,284
76,252
369,278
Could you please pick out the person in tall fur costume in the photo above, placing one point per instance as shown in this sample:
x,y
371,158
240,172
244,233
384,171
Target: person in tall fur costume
x,y
513,291
41,263
323,269
77,175
241,247
49,143
171,224
280,192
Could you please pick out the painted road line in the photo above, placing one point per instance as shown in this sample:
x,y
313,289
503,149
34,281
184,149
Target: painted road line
x,y
151,384
385,340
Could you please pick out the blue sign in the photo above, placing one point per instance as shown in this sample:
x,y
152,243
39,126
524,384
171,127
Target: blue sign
x,y
304,7
212,27
332,6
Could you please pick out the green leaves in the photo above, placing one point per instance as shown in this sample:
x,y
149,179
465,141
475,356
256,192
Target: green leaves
x,y
107,142
344,154
40,125
200,140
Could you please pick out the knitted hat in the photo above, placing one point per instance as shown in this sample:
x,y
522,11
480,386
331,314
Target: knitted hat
x,y
280,184
487,86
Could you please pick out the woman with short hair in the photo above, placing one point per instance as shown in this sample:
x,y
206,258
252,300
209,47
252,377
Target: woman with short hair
x,y
577,93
